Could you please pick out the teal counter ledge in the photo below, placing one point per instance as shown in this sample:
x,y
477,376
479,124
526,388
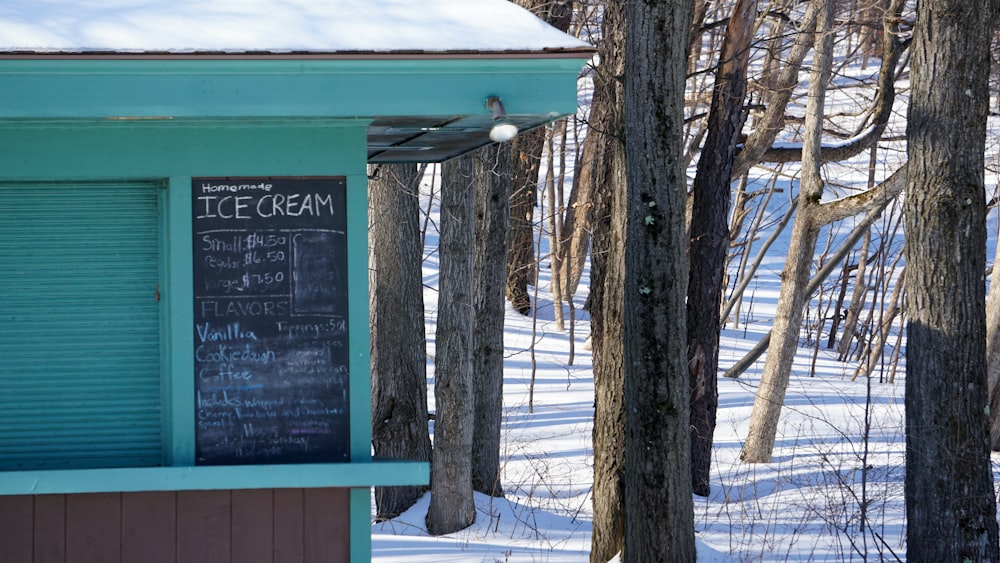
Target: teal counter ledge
x,y
135,479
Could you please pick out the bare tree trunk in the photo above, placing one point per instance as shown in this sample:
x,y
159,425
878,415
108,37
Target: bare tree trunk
x,y
492,224
607,287
555,225
578,222
594,171
785,80
745,275
860,292
527,157
888,190
398,342
950,499
993,351
880,112
659,521
792,297
521,267
451,507
838,305
857,301
737,250
877,343
710,237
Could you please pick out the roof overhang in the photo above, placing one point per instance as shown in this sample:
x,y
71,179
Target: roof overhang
x,y
421,107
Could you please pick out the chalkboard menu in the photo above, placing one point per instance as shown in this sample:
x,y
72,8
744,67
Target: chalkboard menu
x,y
270,320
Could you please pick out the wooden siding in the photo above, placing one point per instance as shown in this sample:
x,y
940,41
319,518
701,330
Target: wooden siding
x,y
239,526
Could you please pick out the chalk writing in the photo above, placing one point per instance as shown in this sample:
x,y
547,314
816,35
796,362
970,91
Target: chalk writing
x,y
270,311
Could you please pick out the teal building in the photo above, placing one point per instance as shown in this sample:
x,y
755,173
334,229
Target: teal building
x,y
184,370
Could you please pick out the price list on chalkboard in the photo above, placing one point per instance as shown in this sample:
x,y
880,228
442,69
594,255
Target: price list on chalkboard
x,y
270,314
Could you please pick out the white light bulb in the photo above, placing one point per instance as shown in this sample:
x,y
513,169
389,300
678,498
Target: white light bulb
x,y
503,131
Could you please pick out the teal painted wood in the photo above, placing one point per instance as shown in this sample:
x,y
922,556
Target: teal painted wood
x,y
88,149
361,527
219,477
79,326
177,150
360,342
286,88
178,296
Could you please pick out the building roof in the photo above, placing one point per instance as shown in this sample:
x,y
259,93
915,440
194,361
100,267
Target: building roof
x,y
276,27
418,71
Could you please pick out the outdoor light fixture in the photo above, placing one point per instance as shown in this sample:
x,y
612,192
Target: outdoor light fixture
x,y
503,130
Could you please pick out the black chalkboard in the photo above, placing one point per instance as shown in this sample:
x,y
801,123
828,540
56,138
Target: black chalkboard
x,y
270,316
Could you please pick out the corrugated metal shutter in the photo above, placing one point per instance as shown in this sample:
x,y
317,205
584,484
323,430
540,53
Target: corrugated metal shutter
x,y
79,326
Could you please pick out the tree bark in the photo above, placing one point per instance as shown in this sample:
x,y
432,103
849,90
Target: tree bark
x,y
710,236
398,342
659,521
452,507
607,287
795,277
492,224
950,500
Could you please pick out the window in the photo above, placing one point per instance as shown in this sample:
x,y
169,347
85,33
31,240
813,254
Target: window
x,y
79,326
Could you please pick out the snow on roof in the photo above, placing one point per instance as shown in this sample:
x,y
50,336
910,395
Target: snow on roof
x,y
275,26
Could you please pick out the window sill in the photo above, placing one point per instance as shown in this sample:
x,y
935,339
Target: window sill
x,y
379,472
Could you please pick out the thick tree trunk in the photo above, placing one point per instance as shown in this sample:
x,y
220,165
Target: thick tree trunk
x,y
659,510
492,223
398,343
710,237
451,507
607,287
950,499
609,382
795,277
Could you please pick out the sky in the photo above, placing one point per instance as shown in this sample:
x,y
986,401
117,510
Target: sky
x,y
281,26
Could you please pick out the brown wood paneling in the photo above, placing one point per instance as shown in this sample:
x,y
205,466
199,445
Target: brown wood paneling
x,y
327,525
50,528
203,526
16,520
288,526
93,528
149,527
247,526
253,526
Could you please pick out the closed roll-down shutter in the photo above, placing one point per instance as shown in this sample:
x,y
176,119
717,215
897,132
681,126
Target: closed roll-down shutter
x,y
79,326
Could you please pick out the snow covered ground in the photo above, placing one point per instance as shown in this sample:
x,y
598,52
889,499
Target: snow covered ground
x,y
834,491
